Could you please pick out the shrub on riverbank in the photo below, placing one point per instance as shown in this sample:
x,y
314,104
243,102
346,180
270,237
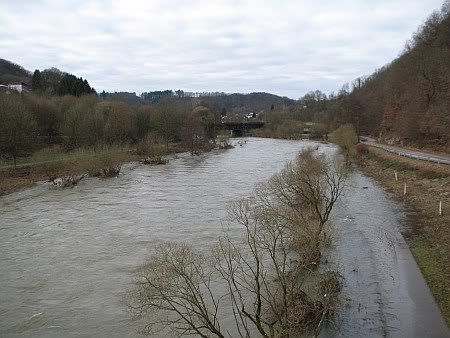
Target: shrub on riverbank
x,y
60,168
151,150
268,280
346,138
104,160
67,169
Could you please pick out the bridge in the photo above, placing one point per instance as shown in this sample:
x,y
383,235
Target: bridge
x,y
240,128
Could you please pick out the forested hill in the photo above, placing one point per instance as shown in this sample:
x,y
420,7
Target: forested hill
x,y
234,103
408,100
237,103
50,81
11,73
53,81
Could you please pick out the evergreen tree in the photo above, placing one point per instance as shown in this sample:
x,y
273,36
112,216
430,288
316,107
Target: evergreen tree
x,y
37,82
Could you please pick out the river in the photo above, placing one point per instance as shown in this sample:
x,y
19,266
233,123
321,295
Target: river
x,y
68,255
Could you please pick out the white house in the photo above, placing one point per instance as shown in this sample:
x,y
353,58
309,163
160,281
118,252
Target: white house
x,y
23,87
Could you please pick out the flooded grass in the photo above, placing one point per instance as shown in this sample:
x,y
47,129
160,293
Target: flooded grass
x,y
435,270
53,164
429,237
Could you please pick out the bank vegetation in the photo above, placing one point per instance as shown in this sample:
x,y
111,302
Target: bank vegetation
x,y
64,138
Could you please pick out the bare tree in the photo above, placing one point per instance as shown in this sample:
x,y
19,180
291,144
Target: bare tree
x,y
265,274
16,128
174,291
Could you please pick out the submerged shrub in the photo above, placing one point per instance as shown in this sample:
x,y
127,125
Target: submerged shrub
x,y
265,278
105,160
224,143
61,168
152,149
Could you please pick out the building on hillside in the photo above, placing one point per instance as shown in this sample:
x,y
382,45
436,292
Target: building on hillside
x,y
20,88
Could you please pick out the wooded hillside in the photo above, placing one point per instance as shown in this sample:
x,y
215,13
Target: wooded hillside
x,y
408,100
12,73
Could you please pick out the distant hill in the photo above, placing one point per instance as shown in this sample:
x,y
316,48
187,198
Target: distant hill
x,y
12,73
126,97
53,81
50,81
236,103
254,102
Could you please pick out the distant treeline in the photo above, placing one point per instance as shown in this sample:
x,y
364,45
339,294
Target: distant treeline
x,y
237,103
31,122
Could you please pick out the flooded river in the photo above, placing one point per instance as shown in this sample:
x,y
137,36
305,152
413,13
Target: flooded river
x,y
67,255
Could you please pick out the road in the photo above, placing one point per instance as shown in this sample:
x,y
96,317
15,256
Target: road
x,y
419,155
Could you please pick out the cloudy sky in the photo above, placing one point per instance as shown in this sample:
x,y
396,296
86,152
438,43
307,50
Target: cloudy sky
x,y
286,47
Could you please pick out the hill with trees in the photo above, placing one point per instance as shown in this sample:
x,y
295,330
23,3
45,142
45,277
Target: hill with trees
x,y
12,73
50,81
235,103
406,102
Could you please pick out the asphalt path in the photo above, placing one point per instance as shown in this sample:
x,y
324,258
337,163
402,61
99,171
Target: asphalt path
x,y
418,155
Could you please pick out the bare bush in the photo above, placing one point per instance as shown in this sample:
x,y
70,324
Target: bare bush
x,y
267,275
152,148
104,160
224,143
174,291
17,127
62,169
346,138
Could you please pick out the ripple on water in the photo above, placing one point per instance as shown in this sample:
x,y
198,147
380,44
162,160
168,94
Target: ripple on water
x,y
79,246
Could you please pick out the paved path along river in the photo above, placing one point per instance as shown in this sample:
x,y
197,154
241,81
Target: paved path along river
x,y
415,154
67,256
384,293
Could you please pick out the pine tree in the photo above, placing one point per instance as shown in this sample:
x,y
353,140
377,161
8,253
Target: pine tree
x,y
37,82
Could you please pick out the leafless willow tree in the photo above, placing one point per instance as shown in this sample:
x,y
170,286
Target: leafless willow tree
x,y
265,282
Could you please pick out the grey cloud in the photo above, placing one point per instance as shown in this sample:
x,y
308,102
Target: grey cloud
x,y
284,47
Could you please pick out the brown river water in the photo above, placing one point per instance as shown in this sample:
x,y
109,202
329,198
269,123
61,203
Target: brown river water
x,y
67,255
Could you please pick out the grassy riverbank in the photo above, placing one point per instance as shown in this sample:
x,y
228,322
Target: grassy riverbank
x,y
429,239
54,163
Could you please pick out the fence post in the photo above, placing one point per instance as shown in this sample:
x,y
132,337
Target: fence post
x,y
440,207
404,189
396,177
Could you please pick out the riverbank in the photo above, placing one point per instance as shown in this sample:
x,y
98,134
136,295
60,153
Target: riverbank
x,y
427,184
77,163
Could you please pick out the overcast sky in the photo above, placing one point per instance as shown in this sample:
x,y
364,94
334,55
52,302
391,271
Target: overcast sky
x,y
285,47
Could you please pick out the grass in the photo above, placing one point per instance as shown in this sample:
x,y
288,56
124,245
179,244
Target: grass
x,y
434,269
390,161
429,239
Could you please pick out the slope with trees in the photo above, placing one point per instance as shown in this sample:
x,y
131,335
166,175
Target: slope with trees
x,y
12,73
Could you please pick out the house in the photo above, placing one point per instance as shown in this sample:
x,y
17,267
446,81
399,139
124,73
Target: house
x,y
20,88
